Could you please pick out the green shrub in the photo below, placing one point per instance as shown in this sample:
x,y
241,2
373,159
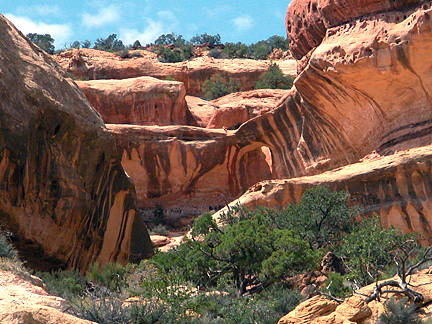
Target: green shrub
x,y
214,52
7,250
235,50
177,54
368,249
159,230
44,41
260,50
206,38
274,78
335,286
109,44
399,312
276,41
217,87
64,283
110,275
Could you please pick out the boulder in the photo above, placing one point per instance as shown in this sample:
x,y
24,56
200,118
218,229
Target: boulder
x,y
234,109
201,110
24,302
308,310
89,64
354,309
139,101
62,184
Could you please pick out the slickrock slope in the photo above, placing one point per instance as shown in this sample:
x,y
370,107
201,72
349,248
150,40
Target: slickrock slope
x,y
308,20
397,187
62,184
139,101
319,310
26,302
91,64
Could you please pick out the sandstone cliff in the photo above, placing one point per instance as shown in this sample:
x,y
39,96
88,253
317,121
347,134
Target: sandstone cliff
x,y
62,184
187,170
396,187
139,101
91,64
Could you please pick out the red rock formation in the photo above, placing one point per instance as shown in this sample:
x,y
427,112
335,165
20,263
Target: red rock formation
x,y
90,64
62,184
236,108
202,110
187,170
308,20
396,187
139,101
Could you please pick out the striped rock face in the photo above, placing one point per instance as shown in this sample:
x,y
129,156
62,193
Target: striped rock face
x,y
307,21
62,184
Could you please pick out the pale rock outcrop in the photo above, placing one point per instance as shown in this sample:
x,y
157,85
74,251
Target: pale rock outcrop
x,y
308,310
91,64
139,101
319,310
25,301
62,184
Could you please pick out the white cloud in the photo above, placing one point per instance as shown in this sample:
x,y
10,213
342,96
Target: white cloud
x,y
60,32
167,23
39,10
104,16
152,31
243,23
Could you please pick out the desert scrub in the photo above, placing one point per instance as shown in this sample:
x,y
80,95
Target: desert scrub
x,y
217,87
273,78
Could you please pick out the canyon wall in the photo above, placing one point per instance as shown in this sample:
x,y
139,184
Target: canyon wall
x,y
363,89
89,64
62,183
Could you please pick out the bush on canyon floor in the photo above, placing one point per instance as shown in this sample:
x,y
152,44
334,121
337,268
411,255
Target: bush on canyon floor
x,y
7,250
235,271
399,312
274,78
369,250
217,87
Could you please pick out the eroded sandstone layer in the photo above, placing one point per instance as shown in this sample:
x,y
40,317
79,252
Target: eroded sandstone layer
x,y
139,101
62,184
396,187
364,88
91,64
188,170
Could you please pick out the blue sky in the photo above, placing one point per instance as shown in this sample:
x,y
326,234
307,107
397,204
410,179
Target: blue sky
x,y
67,21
